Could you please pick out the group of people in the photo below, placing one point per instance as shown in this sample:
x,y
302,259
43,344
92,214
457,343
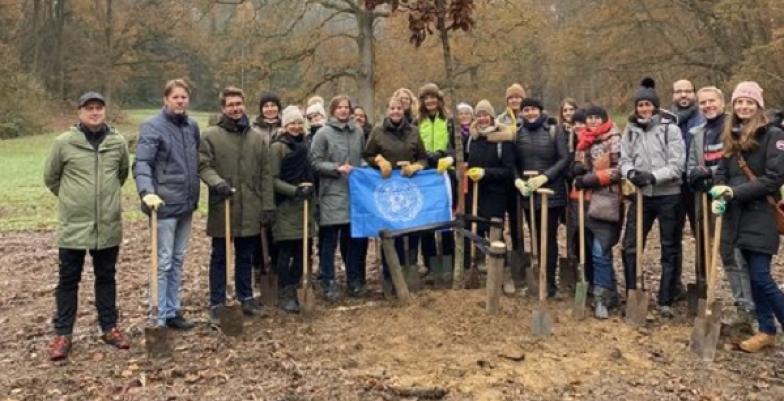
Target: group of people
x,y
265,169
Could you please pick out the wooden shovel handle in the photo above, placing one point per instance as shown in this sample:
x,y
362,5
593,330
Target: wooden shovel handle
x,y
706,230
638,239
543,251
581,227
712,272
474,210
305,264
154,260
229,253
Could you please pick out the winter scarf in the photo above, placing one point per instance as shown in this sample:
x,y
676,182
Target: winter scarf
x,y
588,136
533,126
684,114
295,167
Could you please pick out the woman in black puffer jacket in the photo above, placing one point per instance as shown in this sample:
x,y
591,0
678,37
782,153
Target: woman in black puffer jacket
x,y
542,149
750,171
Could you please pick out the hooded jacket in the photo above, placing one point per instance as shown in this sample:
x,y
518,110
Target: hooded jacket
x,y
492,149
543,150
396,143
656,147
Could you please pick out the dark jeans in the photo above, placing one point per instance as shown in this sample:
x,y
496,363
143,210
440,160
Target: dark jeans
x,y
686,210
573,235
289,262
428,241
553,218
413,245
66,294
244,248
513,205
667,210
768,297
351,250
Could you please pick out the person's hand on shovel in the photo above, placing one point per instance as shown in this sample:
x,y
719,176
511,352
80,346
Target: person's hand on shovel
x,y
224,190
720,194
304,191
445,163
152,201
475,173
537,182
522,187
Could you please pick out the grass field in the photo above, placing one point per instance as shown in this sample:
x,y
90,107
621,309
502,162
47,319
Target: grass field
x,y
25,203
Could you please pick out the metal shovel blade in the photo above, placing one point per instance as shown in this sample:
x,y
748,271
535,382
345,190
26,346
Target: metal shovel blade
x,y
567,273
532,280
156,342
231,320
441,271
694,293
580,300
705,334
307,299
472,278
542,324
269,288
637,308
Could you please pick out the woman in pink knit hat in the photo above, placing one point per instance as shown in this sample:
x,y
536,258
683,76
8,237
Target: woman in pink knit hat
x,y
748,177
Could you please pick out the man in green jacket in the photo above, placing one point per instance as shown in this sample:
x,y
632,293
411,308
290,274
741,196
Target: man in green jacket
x,y
86,169
233,162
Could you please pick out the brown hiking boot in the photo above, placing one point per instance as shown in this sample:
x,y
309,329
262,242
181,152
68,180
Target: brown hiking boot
x,y
116,337
59,349
758,342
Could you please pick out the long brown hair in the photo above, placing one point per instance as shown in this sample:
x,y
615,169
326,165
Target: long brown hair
x,y
748,135
570,101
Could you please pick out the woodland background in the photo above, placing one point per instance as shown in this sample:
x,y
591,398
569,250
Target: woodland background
x,y
52,50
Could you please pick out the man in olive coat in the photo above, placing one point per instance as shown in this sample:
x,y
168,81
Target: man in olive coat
x,y
233,162
86,168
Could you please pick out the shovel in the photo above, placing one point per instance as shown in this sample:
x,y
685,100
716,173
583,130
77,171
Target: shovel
x,y
156,339
637,302
305,295
441,265
567,265
472,279
542,321
230,316
707,325
696,291
269,280
581,287
533,265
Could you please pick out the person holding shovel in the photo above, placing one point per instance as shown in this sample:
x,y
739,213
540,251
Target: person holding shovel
x,y
396,140
335,150
233,163
491,164
652,158
542,151
85,169
290,168
705,154
747,179
597,155
166,170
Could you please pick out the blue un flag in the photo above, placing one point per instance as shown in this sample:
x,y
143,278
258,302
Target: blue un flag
x,y
397,202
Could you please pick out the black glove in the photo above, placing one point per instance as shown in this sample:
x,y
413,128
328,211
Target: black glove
x,y
266,217
224,190
578,169
701,179
432,158
641,178
304,192
587,181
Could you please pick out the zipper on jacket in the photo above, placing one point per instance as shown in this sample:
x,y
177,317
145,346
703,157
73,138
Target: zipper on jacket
x,y
96,195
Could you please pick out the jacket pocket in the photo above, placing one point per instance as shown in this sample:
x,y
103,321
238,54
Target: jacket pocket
x,y
171,188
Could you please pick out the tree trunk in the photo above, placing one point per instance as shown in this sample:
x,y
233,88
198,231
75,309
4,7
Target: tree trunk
x,y
366,49
108,85
441,6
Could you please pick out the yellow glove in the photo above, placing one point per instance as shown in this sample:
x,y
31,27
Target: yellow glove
x,y
445,163
475,173
383,165
521,186
537,182
410,169
152,201
718,206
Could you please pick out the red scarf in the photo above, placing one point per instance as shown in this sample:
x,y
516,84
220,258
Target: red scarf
x,y
588,136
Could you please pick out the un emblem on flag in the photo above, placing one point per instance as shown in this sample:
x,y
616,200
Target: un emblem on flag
x,y
398,200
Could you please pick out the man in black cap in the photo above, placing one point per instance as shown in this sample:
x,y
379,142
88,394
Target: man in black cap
x,y
85,169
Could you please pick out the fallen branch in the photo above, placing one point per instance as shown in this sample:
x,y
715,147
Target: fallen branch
x,y
425,393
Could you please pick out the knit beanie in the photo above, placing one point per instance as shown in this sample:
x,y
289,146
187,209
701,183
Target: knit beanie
x,y
484,105
430,89
267,97
316,108
465,107
315,99
291,114
515,90
579,116
647,92
596,111
531,102
749,89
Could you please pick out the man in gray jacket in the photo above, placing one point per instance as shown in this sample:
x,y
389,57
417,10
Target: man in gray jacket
x,y
166,170
653,159
335,150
